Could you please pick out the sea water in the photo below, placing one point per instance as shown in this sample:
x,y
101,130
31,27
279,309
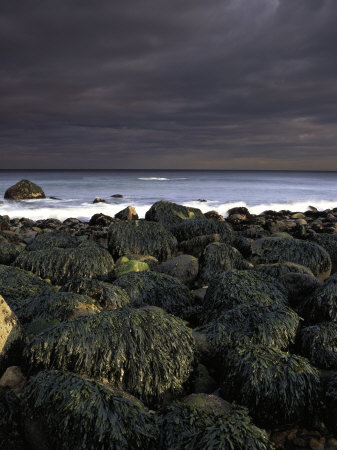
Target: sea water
x,y
222,190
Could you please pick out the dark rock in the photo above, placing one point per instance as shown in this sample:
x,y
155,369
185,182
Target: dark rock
x,y
129,213
71,221
9,252
99,200
54,198
146,352
239,210
170,214
117,195
71,412
141,237
329,243
319,344
299,286
201,200
331,403
11,335
277,270
4,223
201,227
214,215
54,239
184,267
101,220
11,435
195,246
23,190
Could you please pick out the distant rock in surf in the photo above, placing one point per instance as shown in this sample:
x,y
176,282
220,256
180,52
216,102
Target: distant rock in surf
x,y
24,190
117,196
99,200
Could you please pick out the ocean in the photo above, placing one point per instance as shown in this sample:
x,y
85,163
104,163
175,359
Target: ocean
x,y
222,190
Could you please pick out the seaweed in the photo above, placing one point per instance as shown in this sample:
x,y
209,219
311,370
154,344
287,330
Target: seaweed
x,y
157,289
80,414
329,243
170,214
9,252
277,387
106,295
309,254
277,270
237,287
11,437
60,265
321,305
143,351
319,344
203,422
56,238
140,237
201,227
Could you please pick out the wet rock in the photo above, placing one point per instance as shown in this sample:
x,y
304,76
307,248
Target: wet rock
x,y
13,378
23,190
117,196
170,214
99,200
4,223
184,267
101,220
129,213
214,215
9,252
201,227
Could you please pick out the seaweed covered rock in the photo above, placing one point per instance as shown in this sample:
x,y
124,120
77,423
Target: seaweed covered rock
x,y
273,326
145,352
17,286
329,243
299,286
57,238
183,267
42,312
24,190
201,227
79,414
100,220
196,245
106,295
318,343
237,287
309,254
206,422
9,252
11,436
219,257
156,289
170,214
126,265
321,305
11,335
277,387
60,265
277,270
331,403
140,237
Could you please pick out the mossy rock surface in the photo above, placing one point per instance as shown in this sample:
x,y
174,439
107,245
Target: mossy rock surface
x,y
129,265
309,254
9,252
201,227
277,387
11,436
18,286
157,289
60,265
207,422
277,270
331,403
79,414
237,287
183,267
273,326
106,295
319,344
321,305
24,190
57,238
217,258
145,352
170,214
329,243
141,237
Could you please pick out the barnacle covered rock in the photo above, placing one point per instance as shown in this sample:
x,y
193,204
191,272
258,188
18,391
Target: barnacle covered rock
x,y
60,265
237,287
79,414
107,295
146,352
308,254
57,238
11,436
319,344
206,422
156,289
140,237
170,214
277,387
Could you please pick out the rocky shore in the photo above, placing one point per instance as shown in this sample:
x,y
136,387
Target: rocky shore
x,y
180,330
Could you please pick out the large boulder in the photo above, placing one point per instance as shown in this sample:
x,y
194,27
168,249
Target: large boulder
x,y
318,343
11,335
60,265
329,243
57,238
140,237
277,387
217,258
308,254
11,435
71,412
237,287
18,286
129,213
106,295
9,252
145,352
24,190
321,305
157,289
183,267
187,230
170,214
203,421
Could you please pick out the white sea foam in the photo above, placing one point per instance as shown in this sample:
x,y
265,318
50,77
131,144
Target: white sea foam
x,y
160,179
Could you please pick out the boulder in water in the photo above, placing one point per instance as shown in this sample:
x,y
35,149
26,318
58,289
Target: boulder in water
x,y
24,190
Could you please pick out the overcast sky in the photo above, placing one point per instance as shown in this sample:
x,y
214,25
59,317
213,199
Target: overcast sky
x,y
200,84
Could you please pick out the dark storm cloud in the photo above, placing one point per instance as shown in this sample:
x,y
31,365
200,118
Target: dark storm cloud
x,y
185,84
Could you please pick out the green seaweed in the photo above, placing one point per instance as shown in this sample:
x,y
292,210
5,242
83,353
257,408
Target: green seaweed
x,y
56,238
